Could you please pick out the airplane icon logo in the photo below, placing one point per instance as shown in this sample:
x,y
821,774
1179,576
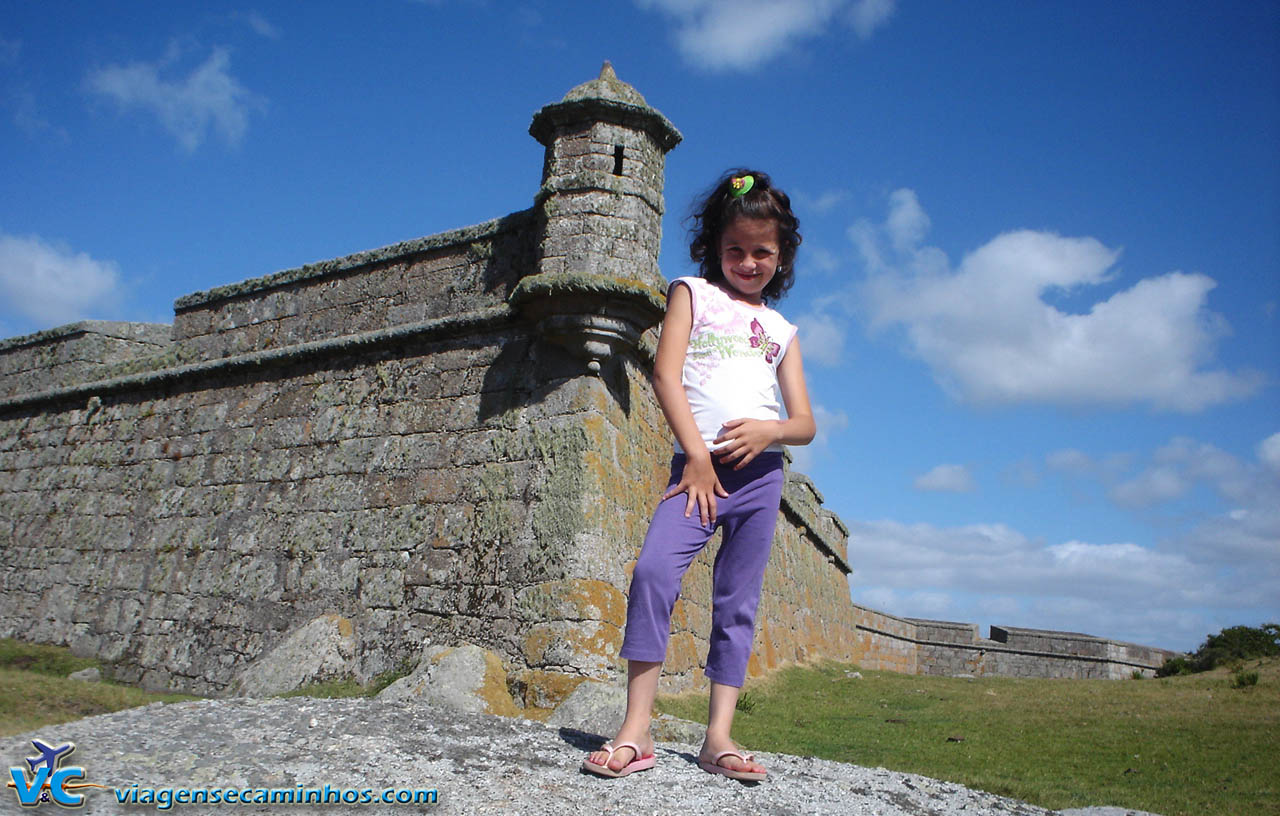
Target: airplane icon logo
x,y
49,757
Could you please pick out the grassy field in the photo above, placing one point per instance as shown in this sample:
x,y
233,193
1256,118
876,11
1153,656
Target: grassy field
x,y
1188,745
1182,746
35,691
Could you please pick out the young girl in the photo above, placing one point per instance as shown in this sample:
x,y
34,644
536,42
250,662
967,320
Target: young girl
x,y
721,353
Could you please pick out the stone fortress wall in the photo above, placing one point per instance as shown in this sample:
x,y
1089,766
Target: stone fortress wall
x,y
446,440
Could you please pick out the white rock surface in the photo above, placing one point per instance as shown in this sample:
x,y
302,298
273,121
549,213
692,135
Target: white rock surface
x,y
477,763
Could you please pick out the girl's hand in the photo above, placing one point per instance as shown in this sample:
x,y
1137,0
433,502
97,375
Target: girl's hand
x,y
699,480
745,439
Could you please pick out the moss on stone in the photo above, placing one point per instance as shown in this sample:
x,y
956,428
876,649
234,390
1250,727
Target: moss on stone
x,y
547,689
553,284
494,691
493,522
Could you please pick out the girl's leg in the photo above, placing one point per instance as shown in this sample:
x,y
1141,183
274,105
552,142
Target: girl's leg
x,y
738,574
670,546
642,688
724,701
737,579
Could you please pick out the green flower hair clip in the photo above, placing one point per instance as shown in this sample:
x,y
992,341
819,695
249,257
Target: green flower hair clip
x,y
741,185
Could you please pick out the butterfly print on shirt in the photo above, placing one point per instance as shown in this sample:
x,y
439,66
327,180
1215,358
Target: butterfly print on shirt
x,y
760,340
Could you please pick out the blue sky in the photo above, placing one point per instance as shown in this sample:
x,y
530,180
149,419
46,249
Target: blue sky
x,y
1038,289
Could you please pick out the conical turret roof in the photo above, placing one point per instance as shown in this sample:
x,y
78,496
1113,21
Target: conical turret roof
x,y
606,86
605,98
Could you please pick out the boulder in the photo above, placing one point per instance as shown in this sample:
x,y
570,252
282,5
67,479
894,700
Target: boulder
x,y
598,708
595,708
321,649
462,678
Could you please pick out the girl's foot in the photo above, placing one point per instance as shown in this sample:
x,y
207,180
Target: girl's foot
x,y
623,755
724,757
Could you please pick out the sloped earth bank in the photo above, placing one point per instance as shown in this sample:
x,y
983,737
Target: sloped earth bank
x,y
476,763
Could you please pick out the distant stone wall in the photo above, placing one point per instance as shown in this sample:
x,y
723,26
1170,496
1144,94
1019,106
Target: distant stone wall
x,y
956,649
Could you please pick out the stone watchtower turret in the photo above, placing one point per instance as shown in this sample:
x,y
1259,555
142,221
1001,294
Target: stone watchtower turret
x,y
597,286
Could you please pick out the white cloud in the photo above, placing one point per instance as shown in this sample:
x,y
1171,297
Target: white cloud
x,y
820,259
29,118
260,25
1069,460
821,339
743,34
996,559
1118,590
52,284
867,15
1269,451
1179,465
209,98
947,479
1152,486
821,204
1220,567
907,223
828,422
988,333
1022,473
1078,463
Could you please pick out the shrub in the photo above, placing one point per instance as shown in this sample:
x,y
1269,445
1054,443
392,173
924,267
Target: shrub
x,y
1174,667
1231,644
1243,679
1237,643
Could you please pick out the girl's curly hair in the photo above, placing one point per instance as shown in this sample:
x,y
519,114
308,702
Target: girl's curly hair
x,y
713,213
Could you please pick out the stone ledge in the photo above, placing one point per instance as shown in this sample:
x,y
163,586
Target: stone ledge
x,y
441,327
321,269
154,333
809,519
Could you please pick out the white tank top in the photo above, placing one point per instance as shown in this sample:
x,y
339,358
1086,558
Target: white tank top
x,y
731,367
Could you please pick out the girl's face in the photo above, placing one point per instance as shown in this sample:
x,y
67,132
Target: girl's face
x,y
749,256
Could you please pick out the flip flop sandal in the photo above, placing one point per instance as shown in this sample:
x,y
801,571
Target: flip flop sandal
x,y
713,766
638,763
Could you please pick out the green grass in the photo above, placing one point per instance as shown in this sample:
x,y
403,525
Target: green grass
x,y
1182,745
35,691
349,687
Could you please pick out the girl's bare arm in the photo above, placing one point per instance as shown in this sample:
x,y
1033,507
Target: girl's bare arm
x,y
699,478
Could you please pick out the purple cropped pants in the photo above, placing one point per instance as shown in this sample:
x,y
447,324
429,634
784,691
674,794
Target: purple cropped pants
x,y
748,518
